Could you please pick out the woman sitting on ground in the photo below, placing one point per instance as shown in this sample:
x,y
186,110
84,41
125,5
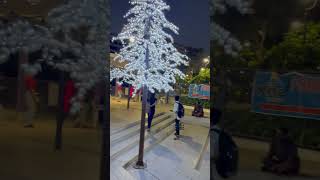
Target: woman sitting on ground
x,y
198,110
283,155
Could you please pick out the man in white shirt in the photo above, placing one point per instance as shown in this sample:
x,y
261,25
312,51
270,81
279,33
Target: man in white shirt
x,y
178,116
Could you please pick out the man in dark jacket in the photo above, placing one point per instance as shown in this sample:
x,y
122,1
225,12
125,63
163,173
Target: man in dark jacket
x,y
282,157
152,110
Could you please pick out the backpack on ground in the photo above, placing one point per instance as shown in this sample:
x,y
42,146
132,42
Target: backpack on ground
x,y
180,110
227,162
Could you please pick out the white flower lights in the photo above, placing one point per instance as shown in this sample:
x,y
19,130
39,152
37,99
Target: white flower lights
x,y
88,66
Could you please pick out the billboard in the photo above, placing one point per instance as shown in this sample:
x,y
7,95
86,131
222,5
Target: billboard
x,y
201,91
291,94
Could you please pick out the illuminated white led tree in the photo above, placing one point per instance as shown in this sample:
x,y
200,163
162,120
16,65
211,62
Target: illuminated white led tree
x,y
151,60
88,65
20,35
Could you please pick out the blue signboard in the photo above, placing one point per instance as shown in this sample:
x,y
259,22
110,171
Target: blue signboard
x,y
201,91
291,94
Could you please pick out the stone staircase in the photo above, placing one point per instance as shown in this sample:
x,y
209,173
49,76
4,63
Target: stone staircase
x,y
124,142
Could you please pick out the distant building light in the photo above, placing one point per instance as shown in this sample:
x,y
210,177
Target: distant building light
x,y
206,60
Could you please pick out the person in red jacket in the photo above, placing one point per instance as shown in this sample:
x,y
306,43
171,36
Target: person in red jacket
x,y
69,92
131,90
31,100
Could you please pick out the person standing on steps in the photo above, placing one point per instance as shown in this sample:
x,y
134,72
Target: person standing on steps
x,y
178,109
152,110
283,157
225,153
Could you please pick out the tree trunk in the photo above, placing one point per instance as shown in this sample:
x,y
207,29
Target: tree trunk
x,y
167,98
21,87
60,114
128,103
140,162
129,98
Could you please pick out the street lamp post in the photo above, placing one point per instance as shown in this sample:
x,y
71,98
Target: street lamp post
x,y
306,13
206,61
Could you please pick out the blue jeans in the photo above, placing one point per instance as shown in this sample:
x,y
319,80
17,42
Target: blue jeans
x,y
150,116
177,127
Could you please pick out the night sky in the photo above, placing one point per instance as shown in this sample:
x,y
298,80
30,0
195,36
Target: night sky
x,y
191,16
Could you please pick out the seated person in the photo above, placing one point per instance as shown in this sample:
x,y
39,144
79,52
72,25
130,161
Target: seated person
x,y
198,110
283,155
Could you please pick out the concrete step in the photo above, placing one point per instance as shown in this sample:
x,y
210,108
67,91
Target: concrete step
x,y
154,139
178,159
204,150
131,140
115,132
119,173
134,130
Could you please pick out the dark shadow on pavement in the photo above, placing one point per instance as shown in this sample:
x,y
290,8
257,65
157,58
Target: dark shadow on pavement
x,y
193,144
163,151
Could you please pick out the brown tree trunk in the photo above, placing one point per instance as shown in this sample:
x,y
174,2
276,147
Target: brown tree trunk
x,y
21,87
140,162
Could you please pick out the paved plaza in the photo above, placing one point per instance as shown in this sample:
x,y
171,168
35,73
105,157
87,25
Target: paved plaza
x,y
28,153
